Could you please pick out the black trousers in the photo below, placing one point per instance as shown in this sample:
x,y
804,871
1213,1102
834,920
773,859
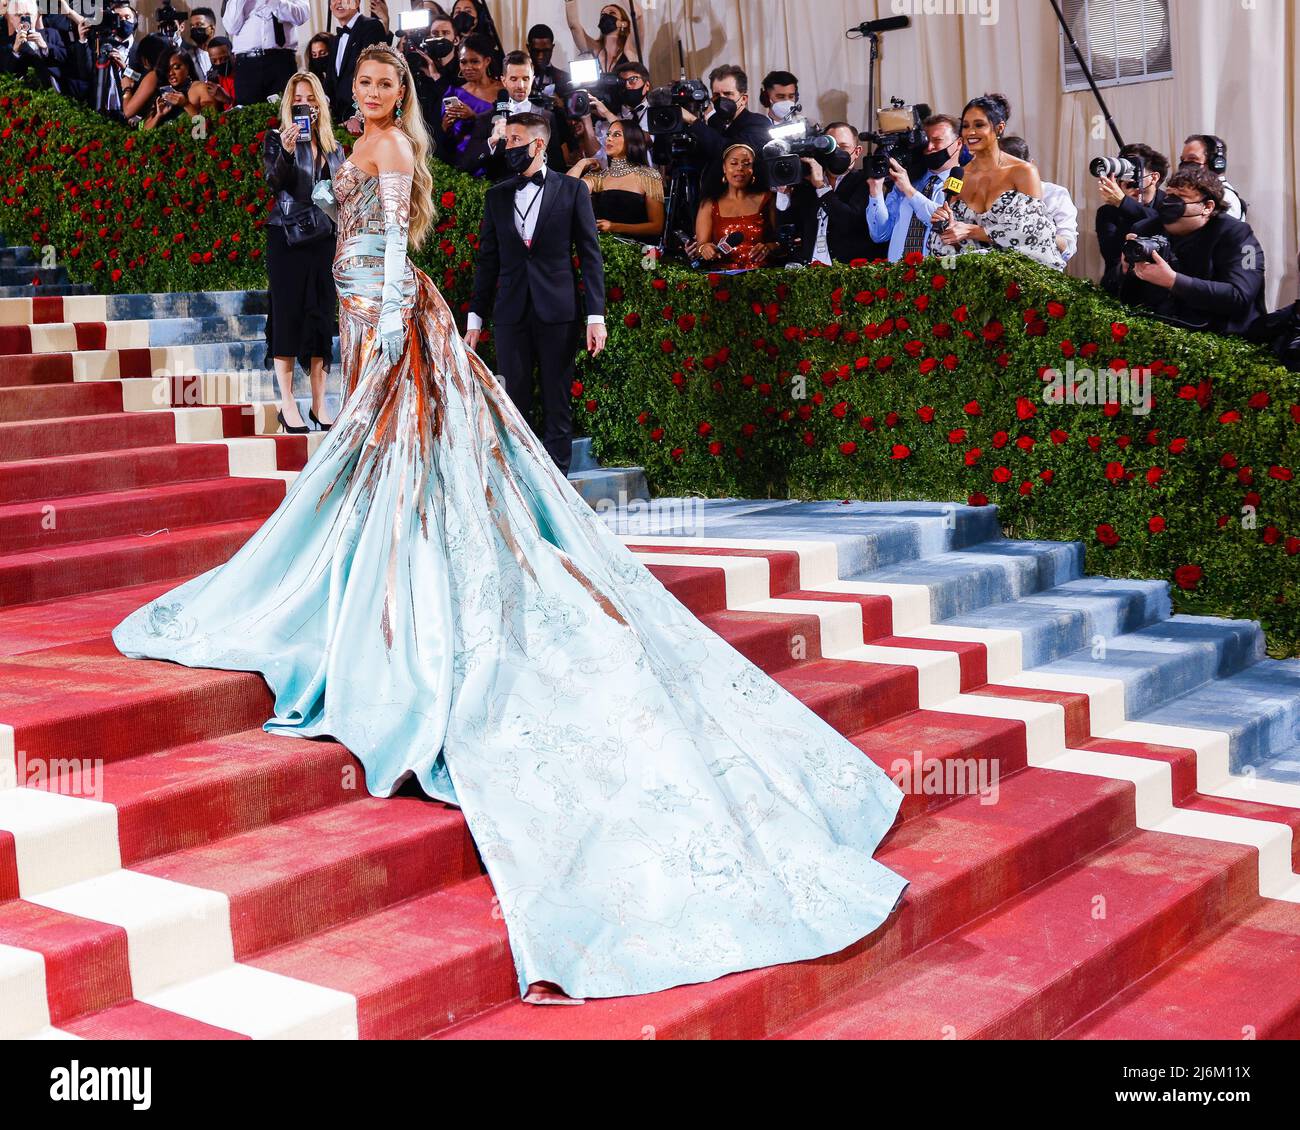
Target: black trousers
x,y
257,77
529,352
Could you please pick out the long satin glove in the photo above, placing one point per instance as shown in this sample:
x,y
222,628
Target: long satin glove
x,y
395,199
323,197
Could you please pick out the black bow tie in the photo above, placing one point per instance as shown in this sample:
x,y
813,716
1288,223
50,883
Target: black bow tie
x,y
537,178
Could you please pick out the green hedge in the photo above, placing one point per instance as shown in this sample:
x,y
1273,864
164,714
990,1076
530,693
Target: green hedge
x,y
919,381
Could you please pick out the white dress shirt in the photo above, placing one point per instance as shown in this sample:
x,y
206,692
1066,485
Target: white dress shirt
x,y
344,33
527,207
1064,214
249,23
822,248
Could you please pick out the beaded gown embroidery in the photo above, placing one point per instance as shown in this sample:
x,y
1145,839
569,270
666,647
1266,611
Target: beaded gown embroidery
x,y
651,808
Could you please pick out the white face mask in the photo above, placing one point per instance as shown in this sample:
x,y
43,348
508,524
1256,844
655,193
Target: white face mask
x,y
782,110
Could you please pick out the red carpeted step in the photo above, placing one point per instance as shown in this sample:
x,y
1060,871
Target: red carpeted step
x,y
48,402
89,701
93,472
50,623
1030,970
116,562
1078,720
877,611
1238,984
962,862
769,641
76,435
35,369
15,339
972,657
699,590
852,696
293,878
145,511
414,968
135,1020
782,564
86,967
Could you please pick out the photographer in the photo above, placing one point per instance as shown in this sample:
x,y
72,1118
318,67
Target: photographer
x,y
1210,275
629,102
904,217
1279,332
1127,204
1210,152
484,156
779,96
354,34
828,207
26,43
75,76
728,120
110,40
435,65
265,36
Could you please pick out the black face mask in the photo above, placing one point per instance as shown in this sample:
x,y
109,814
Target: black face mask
x,y
607,24
726,108
440,49
936,161
200,35
518,158
464,22
837,163
319,67
1172,210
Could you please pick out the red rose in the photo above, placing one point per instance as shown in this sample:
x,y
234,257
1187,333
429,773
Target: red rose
x,y
1115,472
848,448
958,436
1282,474
449,199
1188,577
657,434
972,408
1292,546
1055,310
715,448
705,428
973,456
1026,409
1272,535
978,499
1058,437
591,405
1260,400
1107,536
659,284
926,413
1001,474
575,389
1154,475
929,365
1047,476
900,452
1178,446
632,321
939,282
1230,418
666,345
1118,330
1013,292
1026,489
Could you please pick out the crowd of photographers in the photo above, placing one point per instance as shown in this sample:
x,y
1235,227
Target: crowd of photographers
x,y
723,176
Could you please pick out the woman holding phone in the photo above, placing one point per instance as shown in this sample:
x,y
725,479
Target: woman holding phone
x,y
477,92
183,92
300,242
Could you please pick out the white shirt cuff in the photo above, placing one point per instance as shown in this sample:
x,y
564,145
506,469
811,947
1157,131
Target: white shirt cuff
x,y
474,322
595,319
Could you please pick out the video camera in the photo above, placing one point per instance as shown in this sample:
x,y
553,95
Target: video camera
x,y
898,136
790,144
668,102
169,18
587,81
1126,170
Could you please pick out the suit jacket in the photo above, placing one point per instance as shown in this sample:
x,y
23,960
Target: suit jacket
x,y
846,209
509,273
365,32
1220,285
477,160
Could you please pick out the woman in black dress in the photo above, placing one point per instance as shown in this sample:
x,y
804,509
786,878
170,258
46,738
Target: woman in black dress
x,y
628,196
300,321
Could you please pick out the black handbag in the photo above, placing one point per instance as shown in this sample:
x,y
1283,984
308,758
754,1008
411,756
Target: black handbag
x,y
307,224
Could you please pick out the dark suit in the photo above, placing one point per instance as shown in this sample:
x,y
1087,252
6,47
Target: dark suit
x,y
846,211
748,128
531,294
365,32
1220,285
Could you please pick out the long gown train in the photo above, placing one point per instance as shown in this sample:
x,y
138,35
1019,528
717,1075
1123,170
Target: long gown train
x,y
652,808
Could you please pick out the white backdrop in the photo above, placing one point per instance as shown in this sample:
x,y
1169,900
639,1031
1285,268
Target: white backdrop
x,y
1235,74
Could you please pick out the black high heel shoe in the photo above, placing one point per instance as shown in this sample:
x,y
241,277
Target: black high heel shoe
x,y
311,415
279,415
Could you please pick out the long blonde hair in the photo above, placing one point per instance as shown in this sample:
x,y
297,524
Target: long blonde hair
x,y
411,123
325,140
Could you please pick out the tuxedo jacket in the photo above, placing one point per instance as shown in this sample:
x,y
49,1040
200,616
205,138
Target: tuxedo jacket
x,y
366,32
509,273
846,211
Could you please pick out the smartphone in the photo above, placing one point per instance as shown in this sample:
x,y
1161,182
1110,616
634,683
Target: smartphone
x,y
302,118
450,101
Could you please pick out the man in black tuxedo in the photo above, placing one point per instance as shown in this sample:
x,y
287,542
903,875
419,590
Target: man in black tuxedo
x,y
525,280
1216,281
486,150
729,120
828,208
354,33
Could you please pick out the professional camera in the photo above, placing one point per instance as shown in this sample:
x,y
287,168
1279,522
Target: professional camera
x,y
898,136
1126,170
112,32
587,81
168,18
668,102
1144,249
790,144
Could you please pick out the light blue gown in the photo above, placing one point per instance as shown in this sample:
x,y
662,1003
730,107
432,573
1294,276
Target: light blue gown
x,y
651,807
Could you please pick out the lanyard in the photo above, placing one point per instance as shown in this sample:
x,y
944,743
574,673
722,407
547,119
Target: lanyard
x,y
523,216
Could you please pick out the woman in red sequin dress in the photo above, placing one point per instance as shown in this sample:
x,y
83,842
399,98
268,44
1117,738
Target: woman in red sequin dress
x,y
733,203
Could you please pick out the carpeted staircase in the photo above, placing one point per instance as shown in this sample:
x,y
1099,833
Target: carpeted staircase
x,y
1099,831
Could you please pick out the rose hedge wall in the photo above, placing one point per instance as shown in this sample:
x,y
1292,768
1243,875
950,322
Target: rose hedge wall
x,y
915,381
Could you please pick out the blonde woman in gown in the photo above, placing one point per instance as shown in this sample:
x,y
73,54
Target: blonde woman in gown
x,y
652,808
